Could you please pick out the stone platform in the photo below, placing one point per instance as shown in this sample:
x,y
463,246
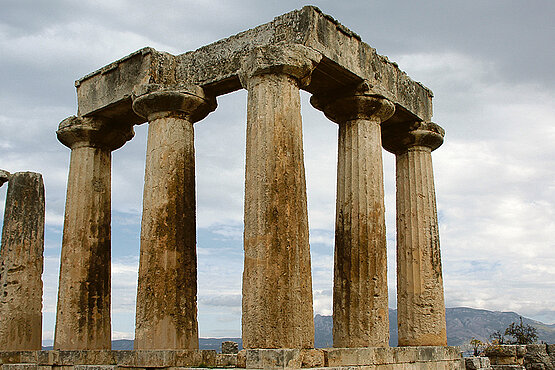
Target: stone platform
x,y
392,358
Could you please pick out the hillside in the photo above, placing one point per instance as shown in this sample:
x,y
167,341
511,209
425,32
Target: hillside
x,y
464,323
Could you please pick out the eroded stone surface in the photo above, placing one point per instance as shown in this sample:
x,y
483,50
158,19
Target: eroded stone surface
x,y
21,263
477,363
346,60
413,358
229,347
360,299
167,288
277,284
83,312
420,300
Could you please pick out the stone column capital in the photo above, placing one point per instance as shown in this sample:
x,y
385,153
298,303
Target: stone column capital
x,y
419,134
75,132
295,60
4,177
351,104
153,101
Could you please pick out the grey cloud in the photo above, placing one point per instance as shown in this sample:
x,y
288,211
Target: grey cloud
x,y
224,300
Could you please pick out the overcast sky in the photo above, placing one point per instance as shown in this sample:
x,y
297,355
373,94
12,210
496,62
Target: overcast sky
x,y
489,63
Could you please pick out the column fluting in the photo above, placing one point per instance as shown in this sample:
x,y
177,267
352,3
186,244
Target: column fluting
x,y
83,312
277,280
420,299
360,297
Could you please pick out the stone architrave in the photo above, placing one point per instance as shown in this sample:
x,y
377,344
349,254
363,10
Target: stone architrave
x,y
83,313
167,289
277,284
360,299
420,300
21,263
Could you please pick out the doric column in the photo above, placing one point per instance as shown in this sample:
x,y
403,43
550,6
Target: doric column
x,y
167,288
420,302
277,283
83,315
21,263
360,300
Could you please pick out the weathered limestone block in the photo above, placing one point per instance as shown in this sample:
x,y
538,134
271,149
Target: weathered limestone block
x,y
242,359
277,283
21,367
346,60
226,360
21,263
230,347
395,357
551,352
420,301
311,358
503,354
537,357
167,287
520,350
360,299
83,312
283,358
477,363
273,358
4,177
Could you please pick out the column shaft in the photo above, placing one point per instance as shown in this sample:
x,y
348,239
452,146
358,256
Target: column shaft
x,y
360,299
277,283
21,263
420,301
167,289
83,314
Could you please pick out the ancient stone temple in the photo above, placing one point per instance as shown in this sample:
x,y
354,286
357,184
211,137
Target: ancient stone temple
x,y
375,106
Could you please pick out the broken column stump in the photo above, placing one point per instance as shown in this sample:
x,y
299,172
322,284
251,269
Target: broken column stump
x,y
21,263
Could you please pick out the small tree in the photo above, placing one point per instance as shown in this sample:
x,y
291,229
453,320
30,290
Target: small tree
x,y
497,338
521,334
476,344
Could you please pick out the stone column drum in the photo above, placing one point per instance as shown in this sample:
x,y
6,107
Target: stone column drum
x,y
167,288
21,263
83,314
420,301
277,283
360,299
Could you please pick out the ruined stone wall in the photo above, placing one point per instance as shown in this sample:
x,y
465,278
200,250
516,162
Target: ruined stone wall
x,y
531,356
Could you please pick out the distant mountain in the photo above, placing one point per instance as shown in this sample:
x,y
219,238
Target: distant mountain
x,y
463,324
